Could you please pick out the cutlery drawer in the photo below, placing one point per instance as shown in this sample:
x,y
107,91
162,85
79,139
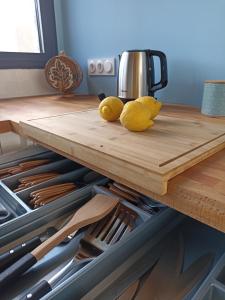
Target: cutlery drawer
x,y
76,177
147,227
22,214
198,241
10,206
60,166
151,228
28,154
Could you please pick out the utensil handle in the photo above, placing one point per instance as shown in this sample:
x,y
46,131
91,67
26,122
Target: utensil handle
x,y
38,291
101,96
163,69
9,257
16,269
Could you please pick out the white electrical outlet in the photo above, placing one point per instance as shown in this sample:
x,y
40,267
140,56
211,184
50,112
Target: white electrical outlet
x,y
101,66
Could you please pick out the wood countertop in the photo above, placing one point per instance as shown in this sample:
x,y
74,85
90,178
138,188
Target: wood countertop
x,y
199,192
12,111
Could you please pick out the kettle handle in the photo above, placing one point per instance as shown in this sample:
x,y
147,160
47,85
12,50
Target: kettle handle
x,y
163,67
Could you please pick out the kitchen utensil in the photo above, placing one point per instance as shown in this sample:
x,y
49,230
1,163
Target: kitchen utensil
x,y
48,194
133,197
29,181
98,238
63,73
136,75
161,285
101,96
5,215
121,193
21,167
9,257
12,255
95,209
127,189
151,165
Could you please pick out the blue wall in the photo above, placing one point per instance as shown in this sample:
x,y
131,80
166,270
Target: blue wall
x,y
190,32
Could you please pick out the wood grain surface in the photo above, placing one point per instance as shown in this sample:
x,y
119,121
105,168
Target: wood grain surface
x,y
198,192
170,147
12,111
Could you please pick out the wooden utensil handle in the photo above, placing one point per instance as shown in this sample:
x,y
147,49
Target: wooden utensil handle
x,y
53,241
123,194
38,291
54,187
9,257
34,163
18,268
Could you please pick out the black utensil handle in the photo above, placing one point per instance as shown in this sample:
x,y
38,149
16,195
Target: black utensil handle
x,y
11,256
38,291
101,96
18,268
163,69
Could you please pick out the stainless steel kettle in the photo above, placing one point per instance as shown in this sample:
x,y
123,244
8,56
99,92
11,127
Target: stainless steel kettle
x,y
136,75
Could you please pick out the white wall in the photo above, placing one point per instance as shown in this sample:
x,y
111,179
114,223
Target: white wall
x,y
19,83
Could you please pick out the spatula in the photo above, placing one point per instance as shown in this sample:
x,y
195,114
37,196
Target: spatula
x,y
99,237
95,209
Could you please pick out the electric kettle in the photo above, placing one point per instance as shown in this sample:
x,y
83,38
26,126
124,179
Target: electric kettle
x,y
136,76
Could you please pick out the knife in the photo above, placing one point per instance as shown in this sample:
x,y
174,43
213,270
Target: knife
x,y
9,257
46,286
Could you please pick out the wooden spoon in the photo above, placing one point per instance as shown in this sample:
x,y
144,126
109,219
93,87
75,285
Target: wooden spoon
x,y
94,210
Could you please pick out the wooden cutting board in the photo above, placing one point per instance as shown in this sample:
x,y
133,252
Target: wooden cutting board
x,y
147,159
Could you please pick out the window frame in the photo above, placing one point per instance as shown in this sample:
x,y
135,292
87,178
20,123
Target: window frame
x,y
24,60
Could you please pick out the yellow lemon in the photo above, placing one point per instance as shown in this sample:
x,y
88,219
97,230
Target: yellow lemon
x,y
110,108
136,116
153,104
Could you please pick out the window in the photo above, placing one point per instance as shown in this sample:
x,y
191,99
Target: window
x,y
27,33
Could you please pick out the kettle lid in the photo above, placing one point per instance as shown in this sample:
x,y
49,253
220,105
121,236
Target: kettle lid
x,y
137,50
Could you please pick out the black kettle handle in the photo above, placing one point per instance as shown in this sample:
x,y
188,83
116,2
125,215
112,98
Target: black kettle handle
x,y
163,67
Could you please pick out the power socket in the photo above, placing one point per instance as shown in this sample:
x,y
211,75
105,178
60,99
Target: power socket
x,y
101,66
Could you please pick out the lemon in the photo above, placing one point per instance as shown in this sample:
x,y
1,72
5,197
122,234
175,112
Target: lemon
x,y
136,116
153,104
110,108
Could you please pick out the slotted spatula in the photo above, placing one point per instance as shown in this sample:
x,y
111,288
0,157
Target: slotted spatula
x,y
98,238
95,209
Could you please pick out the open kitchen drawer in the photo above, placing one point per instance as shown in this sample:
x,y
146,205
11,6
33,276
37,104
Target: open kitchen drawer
x,y
135,256
108,275
16,205
138,273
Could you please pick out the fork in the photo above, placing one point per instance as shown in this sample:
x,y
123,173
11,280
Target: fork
x,y
98,238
